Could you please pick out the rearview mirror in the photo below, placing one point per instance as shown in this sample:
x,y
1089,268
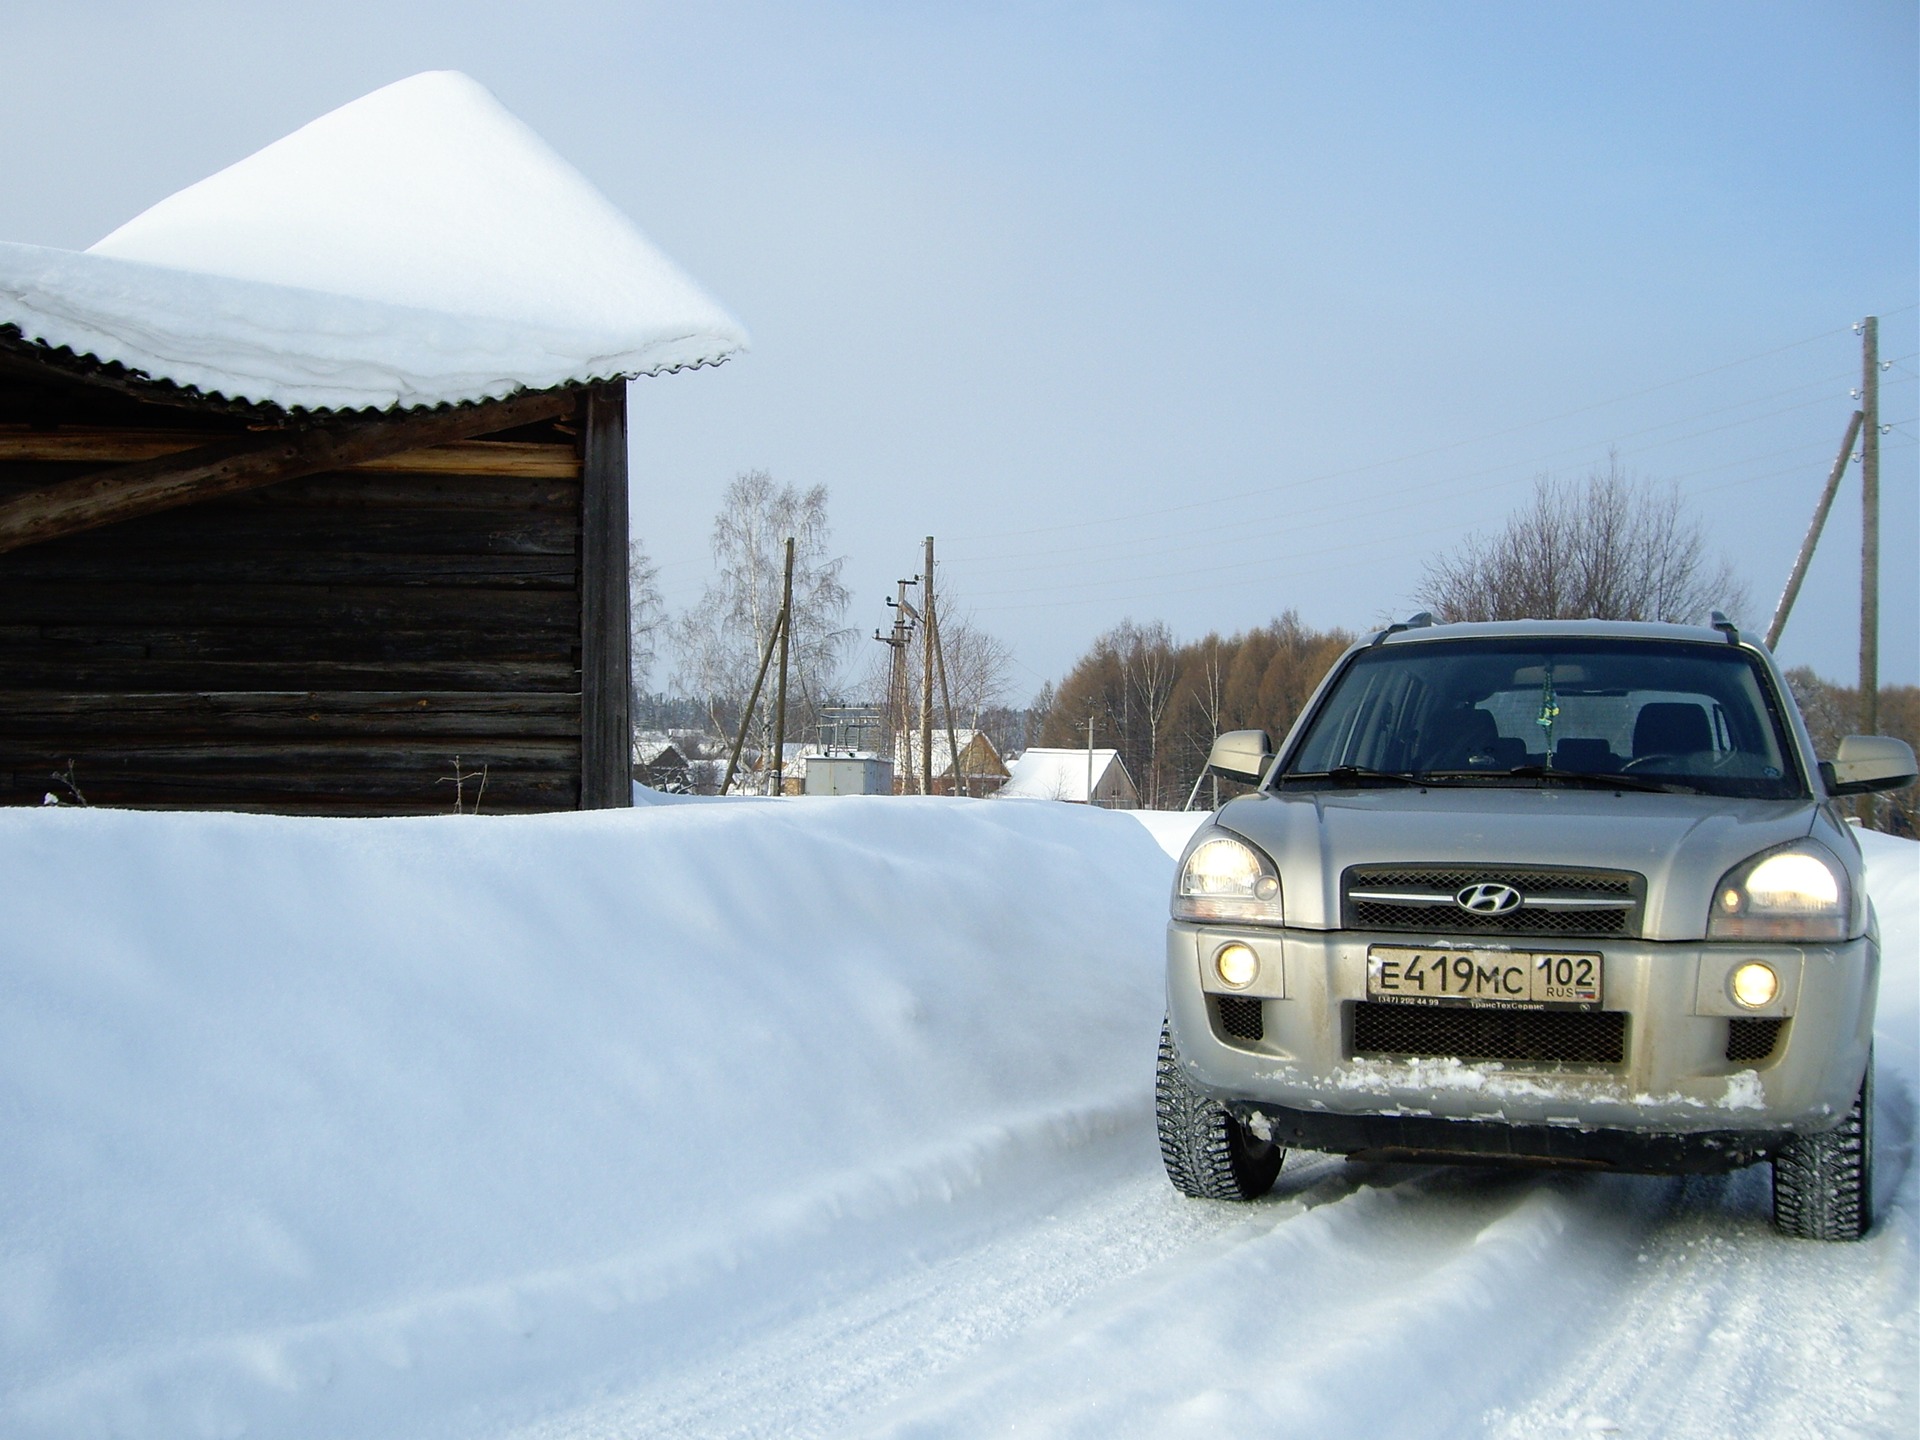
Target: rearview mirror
x,y
1866,763
1243,755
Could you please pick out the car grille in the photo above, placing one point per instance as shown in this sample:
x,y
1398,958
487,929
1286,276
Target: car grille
x,y
1590,1037
1749,1040
1553,901
1238,1017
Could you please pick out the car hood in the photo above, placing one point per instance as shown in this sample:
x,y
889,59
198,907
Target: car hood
x,y
1682,844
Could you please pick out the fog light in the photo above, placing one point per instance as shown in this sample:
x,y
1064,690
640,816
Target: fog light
x,y
1754,984
1236,965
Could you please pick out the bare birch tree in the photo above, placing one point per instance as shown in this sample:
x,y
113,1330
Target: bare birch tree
x,y
646,618
1608,547
720,641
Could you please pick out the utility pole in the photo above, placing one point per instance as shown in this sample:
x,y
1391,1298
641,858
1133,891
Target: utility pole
x,y
1792,592
1089,757
926,671
940,658
780,689
899,723
1870,525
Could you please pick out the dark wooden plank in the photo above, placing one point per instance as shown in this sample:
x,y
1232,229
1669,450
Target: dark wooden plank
x,y
605,654
26,716
507,792
99,445
400,569
299,533
308,606
352,489
129,676
229,465
82,644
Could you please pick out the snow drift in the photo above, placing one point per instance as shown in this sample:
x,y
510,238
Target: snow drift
x,y
345,1127
779,1118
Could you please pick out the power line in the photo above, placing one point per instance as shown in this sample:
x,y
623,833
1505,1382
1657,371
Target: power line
x,y
1431,450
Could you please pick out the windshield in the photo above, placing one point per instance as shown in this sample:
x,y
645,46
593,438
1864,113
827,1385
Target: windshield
x,y
1661,715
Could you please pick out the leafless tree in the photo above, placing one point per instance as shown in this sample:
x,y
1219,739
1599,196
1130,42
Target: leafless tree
x,y
646,617
1149,667
1608,547
719,642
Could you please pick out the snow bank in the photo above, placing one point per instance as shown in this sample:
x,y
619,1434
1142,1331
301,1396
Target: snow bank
x,y
322,1127
462,1126
419,246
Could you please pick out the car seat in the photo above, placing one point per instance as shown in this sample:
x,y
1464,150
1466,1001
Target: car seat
x,y
1670,728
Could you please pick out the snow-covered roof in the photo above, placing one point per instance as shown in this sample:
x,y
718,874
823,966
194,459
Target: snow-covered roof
x,y
420,246
1048,774
909,749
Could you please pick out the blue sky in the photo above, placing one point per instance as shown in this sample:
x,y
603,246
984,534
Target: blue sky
x,y
1194,313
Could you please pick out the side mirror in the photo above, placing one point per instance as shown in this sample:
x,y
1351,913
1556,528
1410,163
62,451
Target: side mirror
x,y
1866,763
1243,755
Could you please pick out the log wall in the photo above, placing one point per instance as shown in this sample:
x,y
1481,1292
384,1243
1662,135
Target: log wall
x,y
335,644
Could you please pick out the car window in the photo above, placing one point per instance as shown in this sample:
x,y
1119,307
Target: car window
x,y
1698,716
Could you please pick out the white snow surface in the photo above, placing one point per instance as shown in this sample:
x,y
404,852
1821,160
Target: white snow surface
x,y
781,1118
419,246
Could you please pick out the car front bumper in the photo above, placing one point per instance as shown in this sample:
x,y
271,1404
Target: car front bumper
x,y
1673,1101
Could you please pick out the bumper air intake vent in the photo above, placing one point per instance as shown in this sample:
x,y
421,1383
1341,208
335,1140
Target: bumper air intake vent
x,y
1578,1037
1238,1018
1750,1040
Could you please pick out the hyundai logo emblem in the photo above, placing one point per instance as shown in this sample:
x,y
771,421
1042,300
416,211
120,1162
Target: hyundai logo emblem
x,y
1488,899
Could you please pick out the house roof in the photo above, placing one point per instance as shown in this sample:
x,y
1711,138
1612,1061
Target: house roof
x,y
909,748
1047,774
417,247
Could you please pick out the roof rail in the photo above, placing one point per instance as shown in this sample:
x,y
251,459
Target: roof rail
x,y
1725,626
1419,621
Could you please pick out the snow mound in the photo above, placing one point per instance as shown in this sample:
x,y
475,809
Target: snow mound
x,y
428,194
341,1127
419,246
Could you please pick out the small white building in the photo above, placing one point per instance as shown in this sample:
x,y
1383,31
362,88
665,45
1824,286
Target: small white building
x,y
1071,775
848,773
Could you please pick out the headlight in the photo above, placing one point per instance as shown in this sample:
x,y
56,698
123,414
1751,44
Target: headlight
x,y
1227,879
1797,893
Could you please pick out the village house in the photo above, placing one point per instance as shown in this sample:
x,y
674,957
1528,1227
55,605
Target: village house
x,y
979,772
1071,775
313,477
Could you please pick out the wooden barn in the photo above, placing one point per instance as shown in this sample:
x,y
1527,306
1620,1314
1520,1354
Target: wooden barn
x,y
334,529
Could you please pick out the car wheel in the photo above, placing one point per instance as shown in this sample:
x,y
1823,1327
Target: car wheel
x,y
1823,1184
1208,1153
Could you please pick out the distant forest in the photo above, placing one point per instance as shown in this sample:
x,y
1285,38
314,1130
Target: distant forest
x,y
1160,703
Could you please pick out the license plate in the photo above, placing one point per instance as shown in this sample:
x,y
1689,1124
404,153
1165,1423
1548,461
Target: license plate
x,y
1531,979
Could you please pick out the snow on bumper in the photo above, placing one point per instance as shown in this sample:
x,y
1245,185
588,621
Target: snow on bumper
x,y
1674,1077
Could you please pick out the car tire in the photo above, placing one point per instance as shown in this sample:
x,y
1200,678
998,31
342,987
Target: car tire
x,y
1208,1153
1823,1184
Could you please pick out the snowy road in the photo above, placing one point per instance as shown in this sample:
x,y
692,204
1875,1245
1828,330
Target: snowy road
x,y
1065,1291
445,1129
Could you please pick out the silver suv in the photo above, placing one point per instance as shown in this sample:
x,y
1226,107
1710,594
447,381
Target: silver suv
x,y
1567,892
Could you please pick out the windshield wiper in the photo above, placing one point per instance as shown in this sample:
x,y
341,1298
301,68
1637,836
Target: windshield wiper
x,y
1360,775
1597,782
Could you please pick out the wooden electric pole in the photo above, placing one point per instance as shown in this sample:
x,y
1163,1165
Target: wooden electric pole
x,y
780,688
1792,592
926,671
899,722
1870,525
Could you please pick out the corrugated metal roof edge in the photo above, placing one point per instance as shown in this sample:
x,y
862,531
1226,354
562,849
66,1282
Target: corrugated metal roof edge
x,y
127,380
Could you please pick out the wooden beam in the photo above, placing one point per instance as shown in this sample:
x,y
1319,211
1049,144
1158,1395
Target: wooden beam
x,y
605,648
250,461
512,459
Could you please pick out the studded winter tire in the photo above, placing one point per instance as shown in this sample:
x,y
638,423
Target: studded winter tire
x,y
1823,1184
1208,1153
